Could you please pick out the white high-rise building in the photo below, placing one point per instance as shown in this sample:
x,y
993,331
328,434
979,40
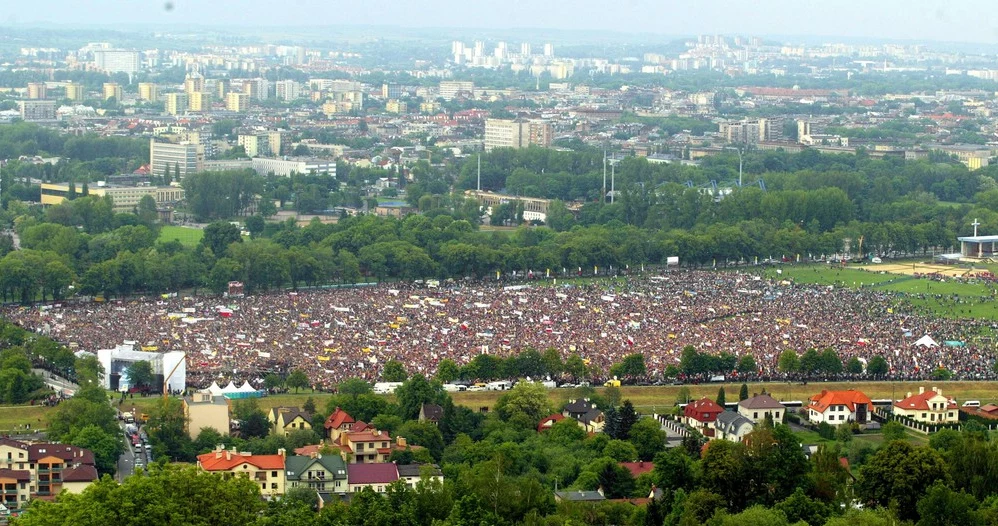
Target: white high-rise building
x,y
117,61
548,50
479,49
501,51
287,90
525,49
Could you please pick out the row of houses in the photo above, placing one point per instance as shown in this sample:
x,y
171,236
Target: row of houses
x,y
831,407
328,475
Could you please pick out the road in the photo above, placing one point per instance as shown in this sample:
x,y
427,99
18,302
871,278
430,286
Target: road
x,y
56,382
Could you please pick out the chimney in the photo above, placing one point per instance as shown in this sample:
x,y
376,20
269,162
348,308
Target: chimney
x,y
228,454
600,490
908,395
921,390
400,441
282,452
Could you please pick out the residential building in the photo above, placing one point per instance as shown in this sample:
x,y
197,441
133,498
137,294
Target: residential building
x,y
117,61
377,476
37,90
702,413
287,90
199,101
29,471
37,110
839,407
286,166
547,422
431,413
202,410
366,447
449,89
579,496
163,156
338,422
391,90
396,106
929,407
148,91
124,198
534,208
758,407
586,414
250,144
237,102
751,131
193,84
322,473
112,89
75,91
412,473
267,471
287,420
176,103
516,133
732,426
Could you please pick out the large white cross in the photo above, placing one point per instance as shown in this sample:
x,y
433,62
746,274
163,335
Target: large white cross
x,y
976,224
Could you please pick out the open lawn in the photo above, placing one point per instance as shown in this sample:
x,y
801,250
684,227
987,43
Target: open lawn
x,y
187,236
14,418
977,299
657,399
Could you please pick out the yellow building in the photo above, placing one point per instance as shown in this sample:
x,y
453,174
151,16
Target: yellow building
x,y
148,91
176,103
75,91
193,85
267,471
37,90
222,87
287,420
396,106
112,89
274,138
124,198
43,469
203,410
928,407
250,144
237,102
429,107
199,101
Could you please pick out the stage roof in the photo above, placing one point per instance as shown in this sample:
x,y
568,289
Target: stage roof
x,y
979,239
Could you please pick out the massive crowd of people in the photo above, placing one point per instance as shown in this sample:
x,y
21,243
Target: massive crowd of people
x,y
337,334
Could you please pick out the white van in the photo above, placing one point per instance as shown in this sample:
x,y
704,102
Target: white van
x,y
386,387
455,388
498,386
972,403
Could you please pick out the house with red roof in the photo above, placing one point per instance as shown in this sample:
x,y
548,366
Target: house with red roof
x,y
701,414
377,476
549,421
338,422
638,468
267,471
839,407
929,407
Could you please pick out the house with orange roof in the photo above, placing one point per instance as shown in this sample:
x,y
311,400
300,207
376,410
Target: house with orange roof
x,y
267,471
839,407
701,414
929,407
366,447
547,422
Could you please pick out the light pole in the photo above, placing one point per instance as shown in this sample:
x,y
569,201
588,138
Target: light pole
x,y
739,150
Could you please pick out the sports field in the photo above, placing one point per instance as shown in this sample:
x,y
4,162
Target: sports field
x,y
187,236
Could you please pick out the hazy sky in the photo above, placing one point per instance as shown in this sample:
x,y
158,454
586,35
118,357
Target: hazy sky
x,y
939,20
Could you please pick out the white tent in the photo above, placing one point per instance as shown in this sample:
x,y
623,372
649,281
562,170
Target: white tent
x,y
246,388
215,389
231,388
926,341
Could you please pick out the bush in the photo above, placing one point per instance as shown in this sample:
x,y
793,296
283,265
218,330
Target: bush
x,y
826,431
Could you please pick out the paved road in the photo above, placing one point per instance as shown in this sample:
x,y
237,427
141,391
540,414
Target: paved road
x,y
56,382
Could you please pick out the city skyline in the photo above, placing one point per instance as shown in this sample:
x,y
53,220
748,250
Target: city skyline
x,y
918,20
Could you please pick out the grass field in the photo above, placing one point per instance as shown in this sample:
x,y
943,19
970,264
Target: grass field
x,y
187,236
977,298
14,418
660,399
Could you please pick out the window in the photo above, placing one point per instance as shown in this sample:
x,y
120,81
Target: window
x,y
923,415
755,414
273,485
273,474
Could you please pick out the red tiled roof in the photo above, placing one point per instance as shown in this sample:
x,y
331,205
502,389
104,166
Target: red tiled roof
x,y
71,454
226,460
546,423
637,468
15,474
823,400
372,473
703,410
307,451
920,401
338,418
80,474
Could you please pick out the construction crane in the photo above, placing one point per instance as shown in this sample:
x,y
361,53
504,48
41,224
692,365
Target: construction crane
x,y
166,379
